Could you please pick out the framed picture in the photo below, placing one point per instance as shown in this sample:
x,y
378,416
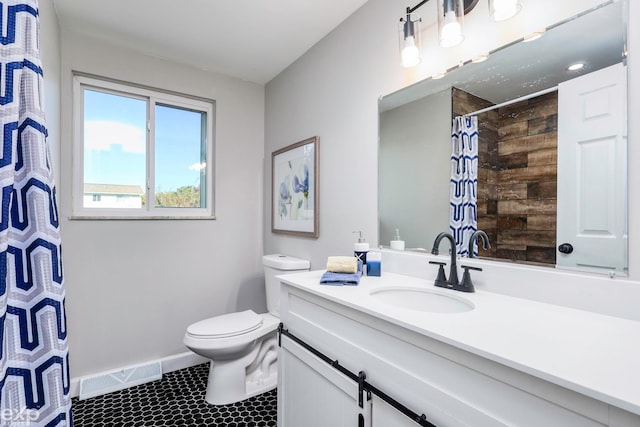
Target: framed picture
x,y
294,189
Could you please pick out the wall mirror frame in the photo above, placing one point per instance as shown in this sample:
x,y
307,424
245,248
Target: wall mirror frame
x,y
523,202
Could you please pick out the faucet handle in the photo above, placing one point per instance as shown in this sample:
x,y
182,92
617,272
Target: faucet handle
x,y
441,279
467,285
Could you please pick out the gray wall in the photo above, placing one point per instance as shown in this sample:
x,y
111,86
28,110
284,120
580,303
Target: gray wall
x,y
332,91
413,184
134,286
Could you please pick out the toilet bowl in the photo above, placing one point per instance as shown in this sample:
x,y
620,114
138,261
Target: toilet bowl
x,y
242,346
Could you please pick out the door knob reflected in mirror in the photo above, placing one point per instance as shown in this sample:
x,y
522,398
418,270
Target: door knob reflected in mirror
x,y
565,248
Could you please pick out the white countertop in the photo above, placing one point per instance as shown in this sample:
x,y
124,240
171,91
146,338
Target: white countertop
x,y
593,354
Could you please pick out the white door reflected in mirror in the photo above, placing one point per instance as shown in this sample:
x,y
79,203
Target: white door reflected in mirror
x,y
592,152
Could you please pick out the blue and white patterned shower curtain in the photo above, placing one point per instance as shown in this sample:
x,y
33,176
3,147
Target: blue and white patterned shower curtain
x,y
463,220
34,374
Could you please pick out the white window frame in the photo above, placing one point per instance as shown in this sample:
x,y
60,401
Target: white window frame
x,y
153,97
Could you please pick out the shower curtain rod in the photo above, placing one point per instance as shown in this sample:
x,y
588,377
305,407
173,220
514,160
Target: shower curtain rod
x,y
513,101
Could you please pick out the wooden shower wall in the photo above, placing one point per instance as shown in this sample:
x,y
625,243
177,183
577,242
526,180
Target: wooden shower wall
x,y
517,176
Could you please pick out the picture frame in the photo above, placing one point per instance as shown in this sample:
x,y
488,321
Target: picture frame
x,y
294,189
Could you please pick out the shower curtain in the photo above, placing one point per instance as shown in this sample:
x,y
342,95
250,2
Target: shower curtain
x,y
34,375
463,220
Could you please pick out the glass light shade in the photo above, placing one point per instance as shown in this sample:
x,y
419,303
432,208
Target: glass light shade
x,y
501,10
450,22
409,37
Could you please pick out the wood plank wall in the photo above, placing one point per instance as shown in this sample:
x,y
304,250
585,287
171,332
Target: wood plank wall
x,y
517,173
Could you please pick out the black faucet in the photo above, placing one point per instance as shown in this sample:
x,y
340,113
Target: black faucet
x,y
465,285
453,270
485,241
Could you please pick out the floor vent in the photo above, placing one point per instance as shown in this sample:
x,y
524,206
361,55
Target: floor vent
x,y
119,379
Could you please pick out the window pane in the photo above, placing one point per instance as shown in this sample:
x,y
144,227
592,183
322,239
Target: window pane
x,y
180,156
114,150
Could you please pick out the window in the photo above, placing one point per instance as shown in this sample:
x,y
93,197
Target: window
x,y
140,152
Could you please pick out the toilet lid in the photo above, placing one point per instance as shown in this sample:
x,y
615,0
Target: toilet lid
x,y
226,325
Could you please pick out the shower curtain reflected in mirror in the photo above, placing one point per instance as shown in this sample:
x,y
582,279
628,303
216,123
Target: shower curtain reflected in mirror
x,y
34,375
463,185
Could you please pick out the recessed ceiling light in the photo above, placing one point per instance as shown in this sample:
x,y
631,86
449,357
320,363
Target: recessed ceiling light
x,y
480,58
575,67
533,36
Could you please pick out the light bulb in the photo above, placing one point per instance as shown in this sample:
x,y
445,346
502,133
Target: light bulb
x,y
502,10
451,33
410,53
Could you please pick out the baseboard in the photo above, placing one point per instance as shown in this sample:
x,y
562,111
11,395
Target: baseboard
x,y
181,361
169,364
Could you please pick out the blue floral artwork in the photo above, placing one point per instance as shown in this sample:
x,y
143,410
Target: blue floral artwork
x,y
294,188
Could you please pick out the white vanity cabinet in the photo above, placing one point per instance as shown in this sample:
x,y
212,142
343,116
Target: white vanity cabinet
x,y
428,375
321,395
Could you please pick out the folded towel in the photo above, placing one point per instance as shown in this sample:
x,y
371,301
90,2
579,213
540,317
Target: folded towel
x,y
341,279
342,264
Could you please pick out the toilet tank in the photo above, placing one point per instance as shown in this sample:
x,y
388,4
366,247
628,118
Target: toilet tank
x,y
275,265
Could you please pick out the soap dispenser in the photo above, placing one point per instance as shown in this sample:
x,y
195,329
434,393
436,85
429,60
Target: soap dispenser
x,y
360,250
396,243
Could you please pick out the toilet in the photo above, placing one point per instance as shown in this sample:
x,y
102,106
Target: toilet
x,y
242,346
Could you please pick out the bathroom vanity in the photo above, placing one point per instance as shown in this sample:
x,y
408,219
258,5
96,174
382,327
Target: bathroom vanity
x,y
480,359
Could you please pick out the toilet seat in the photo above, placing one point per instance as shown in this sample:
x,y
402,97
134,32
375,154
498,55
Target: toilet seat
x,y
226,325
231,344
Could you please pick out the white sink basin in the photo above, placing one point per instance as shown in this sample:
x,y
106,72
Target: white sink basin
x,y
421,299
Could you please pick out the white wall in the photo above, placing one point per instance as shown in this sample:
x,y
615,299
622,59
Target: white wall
x,y
50,55
633,93
134,286
332,91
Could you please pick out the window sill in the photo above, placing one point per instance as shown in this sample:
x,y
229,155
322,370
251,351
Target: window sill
x,y
137,218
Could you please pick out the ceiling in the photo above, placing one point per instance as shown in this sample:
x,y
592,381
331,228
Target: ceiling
x,y
253,40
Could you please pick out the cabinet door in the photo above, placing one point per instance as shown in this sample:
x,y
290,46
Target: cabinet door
x,y
313,394
384,415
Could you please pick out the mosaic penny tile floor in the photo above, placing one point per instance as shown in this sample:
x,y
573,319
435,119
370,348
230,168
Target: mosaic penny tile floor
x,y
176,400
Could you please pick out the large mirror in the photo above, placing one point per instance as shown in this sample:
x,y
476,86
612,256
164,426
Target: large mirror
x,y
551,161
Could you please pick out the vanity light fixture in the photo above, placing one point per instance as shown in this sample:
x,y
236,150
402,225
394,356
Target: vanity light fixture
x,y
410,45
450,24
575,67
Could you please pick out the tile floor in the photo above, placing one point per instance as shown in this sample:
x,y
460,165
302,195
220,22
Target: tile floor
x,y
176,400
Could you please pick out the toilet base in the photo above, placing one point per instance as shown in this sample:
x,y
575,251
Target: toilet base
x,y
233,381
